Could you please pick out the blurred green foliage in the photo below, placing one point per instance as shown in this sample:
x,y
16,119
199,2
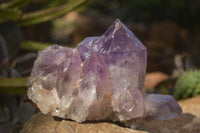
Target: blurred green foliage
x,y
11,11
13,85
33,46
166,86
49,14
188,85
13,16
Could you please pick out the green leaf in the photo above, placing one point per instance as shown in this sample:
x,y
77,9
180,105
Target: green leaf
x,y
13,82
9,14
13,90
15,4
49,14
33,46
188,85
13,85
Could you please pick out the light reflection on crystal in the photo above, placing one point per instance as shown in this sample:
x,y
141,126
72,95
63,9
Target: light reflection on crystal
x,y
100,79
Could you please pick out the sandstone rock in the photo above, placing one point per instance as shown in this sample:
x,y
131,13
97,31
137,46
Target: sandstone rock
x,y
188,122
40,123
185,123
152,79
191,105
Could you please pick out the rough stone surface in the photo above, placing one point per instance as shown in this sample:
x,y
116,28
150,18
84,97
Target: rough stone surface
x,y
191,105
40,123
188,122
152,79
101,79
185,123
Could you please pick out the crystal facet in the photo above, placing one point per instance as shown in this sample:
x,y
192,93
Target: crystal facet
x,y
100,79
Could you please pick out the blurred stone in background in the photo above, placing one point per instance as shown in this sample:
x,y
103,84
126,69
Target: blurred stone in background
x,y
152,79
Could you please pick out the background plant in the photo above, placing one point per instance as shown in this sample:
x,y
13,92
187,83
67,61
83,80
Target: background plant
x,y
17,53
14,16
188,85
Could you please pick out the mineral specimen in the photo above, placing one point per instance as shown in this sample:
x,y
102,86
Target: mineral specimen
x,y
100,79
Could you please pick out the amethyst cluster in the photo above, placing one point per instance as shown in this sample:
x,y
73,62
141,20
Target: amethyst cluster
x,y
102,78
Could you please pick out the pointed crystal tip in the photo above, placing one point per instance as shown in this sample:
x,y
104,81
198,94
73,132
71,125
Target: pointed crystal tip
x,y
100,79
162,107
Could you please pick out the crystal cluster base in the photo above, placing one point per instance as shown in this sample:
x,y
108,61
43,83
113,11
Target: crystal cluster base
x,y
102,78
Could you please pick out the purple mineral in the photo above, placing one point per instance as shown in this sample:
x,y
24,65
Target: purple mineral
x,y
100,79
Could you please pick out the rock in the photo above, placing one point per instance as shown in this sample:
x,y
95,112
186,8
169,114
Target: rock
x,y
191,105
152,79
41,123
72,127
188,122
185,123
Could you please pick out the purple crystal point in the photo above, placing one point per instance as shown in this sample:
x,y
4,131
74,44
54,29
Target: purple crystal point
x,y
162,107
101,79
118,38
94,95
125,57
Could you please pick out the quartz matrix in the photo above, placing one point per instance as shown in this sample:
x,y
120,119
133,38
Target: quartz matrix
x,y
102,78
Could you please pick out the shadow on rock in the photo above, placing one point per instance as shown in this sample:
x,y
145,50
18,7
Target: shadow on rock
x,y
41,123
185,123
